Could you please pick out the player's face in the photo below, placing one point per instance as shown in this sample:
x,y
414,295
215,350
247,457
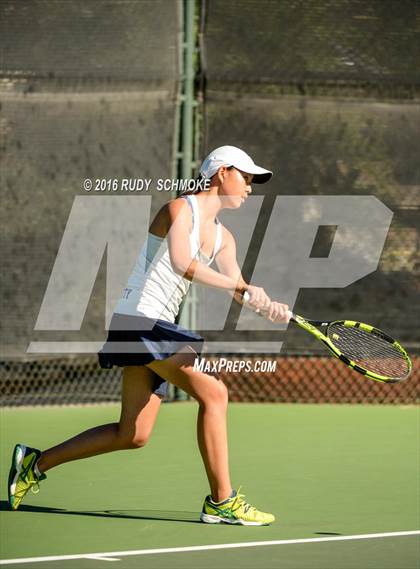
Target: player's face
x,y
235,187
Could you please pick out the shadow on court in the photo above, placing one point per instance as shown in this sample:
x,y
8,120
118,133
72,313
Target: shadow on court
x,y
168,516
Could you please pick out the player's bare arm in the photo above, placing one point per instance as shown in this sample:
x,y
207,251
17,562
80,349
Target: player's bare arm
x,y
258,299
227,264
229,278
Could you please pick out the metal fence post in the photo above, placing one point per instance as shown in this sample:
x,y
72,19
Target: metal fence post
x,y
188,317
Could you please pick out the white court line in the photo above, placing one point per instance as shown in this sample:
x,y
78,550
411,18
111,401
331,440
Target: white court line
x,y
116,554
98,557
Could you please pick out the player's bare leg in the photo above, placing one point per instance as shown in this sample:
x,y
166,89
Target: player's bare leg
x,y
212,396
139,410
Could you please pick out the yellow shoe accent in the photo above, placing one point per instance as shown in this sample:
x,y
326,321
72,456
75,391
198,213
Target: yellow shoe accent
x,y
22,476
234,510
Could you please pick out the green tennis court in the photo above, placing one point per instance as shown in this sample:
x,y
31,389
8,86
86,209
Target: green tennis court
x,y
341,480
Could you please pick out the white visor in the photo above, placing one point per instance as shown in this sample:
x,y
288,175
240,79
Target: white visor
x,y
233,156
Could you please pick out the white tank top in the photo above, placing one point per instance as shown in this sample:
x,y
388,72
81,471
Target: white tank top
x,y
154,289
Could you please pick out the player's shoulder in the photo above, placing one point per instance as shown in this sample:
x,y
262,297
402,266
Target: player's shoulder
x,y
177,206
172,210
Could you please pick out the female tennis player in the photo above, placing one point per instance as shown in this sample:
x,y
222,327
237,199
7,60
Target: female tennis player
x,y
184,239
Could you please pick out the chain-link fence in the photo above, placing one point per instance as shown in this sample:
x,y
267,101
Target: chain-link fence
x,y
318,379
326,94
82,98
323,92
57,381
296,379
271,43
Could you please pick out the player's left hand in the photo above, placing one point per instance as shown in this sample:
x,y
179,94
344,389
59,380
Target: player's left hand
x,y
277,312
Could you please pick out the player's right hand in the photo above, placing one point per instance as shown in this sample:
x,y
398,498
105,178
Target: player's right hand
x,y
278,313
257,298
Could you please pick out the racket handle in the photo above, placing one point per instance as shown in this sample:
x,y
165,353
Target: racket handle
x,y
245,298
290,316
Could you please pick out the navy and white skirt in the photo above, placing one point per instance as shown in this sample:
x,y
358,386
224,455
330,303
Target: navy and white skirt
x,y
138,340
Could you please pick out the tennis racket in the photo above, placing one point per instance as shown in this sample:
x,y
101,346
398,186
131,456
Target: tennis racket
x,y
362,347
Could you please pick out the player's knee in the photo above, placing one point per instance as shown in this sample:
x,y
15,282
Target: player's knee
x,y
133,440
217,396
140,440
223,393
